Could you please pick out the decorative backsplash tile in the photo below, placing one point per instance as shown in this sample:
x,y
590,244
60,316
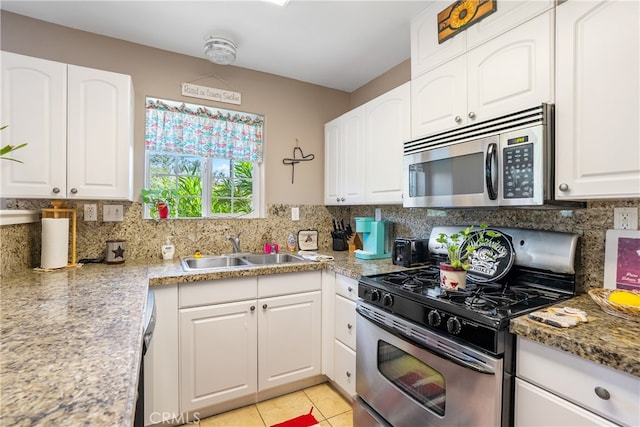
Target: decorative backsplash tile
x,y
20,244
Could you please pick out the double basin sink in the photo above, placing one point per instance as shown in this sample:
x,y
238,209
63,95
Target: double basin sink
x,y
235,261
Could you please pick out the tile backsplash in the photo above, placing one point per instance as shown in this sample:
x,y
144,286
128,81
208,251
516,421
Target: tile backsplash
x,y
20,244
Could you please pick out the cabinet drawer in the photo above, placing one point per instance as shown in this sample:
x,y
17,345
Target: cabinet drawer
x,y
345,368
347,287
210,292
576,380
289,283
346,321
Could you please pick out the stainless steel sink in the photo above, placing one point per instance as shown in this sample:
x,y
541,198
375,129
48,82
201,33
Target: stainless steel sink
x,y
266,259
235,261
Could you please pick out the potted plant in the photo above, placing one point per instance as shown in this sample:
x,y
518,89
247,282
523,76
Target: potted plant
x,y
161,199
453,274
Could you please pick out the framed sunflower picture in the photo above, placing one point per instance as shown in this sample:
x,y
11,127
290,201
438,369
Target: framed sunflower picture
x,y
462,14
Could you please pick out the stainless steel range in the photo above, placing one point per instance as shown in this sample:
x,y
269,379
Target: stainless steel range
x,y
430,357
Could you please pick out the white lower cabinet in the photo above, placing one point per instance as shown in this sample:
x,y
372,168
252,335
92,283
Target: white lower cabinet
x,y
218,353
341,312
241,336
556,388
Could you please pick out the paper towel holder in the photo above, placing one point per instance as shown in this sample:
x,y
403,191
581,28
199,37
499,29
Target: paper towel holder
x,y
58,211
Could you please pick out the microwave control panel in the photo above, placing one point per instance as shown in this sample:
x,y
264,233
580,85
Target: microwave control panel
x,y
517,169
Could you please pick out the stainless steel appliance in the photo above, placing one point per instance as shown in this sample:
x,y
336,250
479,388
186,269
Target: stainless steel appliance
x,y
506,161
426,356
410,251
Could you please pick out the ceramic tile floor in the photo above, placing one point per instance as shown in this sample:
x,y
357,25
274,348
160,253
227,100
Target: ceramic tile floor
x,y
329,408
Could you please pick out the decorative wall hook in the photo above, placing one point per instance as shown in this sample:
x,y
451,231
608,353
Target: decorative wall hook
x,y
293,160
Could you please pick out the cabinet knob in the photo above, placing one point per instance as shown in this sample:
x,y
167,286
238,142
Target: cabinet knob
x,y
472,115
337,199
252,308
563,187
74,190
350,288
342,199
264,306
458,119
348,374
349,326
602,393
56,190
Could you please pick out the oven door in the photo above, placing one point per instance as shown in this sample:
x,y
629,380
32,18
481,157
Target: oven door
x,y
435,383
464,174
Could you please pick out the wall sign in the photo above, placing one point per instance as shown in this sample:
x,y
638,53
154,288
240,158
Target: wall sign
x,y
212,94
461,15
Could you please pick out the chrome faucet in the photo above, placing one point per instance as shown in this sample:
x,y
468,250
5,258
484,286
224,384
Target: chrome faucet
x,y
235,242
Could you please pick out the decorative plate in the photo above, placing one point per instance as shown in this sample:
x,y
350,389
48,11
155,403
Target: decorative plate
x,y
492,257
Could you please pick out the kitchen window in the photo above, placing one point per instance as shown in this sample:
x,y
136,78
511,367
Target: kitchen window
x,y
204,162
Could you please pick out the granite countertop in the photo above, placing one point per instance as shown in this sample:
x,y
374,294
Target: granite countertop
x,y
70,340
605,339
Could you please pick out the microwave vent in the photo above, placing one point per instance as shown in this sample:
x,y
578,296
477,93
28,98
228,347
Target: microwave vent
x,y
542,114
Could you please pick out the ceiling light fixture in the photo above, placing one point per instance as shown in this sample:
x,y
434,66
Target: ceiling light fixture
x,y
220,50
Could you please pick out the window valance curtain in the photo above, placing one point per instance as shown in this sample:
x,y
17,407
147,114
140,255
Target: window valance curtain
x,y
199,131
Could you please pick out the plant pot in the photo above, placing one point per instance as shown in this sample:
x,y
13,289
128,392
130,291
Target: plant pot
x,y
163,210
452,278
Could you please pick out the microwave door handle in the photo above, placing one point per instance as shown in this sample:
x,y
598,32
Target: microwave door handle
x,y
491,163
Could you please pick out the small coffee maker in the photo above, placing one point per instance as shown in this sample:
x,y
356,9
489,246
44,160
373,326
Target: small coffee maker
x,y
377,238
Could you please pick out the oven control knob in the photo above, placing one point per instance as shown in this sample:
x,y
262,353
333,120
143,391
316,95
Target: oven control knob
x,y
387,300
434,318
375,295
454,326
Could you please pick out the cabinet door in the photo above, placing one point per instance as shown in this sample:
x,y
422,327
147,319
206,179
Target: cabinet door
x,y
34,107
161,366
536,407
332,162
289,339
388,125
100,140
426,52
598,100
345,368
352,161
511,72
218,353
438,99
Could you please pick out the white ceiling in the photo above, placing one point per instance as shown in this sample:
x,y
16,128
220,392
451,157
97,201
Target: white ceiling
x,y
337,44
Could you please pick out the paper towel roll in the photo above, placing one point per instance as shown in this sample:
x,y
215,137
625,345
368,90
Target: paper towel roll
x,y
55,242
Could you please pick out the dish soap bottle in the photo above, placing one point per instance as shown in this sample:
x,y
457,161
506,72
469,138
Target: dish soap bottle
x,y
168,250
291,242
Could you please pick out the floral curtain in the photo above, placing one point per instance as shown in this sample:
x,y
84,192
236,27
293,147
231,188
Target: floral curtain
x,y
201,132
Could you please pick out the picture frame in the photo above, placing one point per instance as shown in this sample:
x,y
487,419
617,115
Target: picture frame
x,y
622,260
308,240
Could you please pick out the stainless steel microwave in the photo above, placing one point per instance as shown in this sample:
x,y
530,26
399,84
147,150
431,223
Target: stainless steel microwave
x,y
507,161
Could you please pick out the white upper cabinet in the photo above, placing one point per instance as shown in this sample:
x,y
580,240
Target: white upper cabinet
x,y
508,73
363,151
597,100
100,134
344,159
427,53
78,126
34,107
387,126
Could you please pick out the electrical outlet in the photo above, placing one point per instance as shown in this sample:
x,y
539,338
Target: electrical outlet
x,y
625,218
295,214
111,213
90,212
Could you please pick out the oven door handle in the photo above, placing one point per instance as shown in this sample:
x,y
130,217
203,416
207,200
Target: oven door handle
x,y
463,360
436,348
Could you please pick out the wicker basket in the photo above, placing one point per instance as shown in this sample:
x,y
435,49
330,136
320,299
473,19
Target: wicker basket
x,y
629,312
